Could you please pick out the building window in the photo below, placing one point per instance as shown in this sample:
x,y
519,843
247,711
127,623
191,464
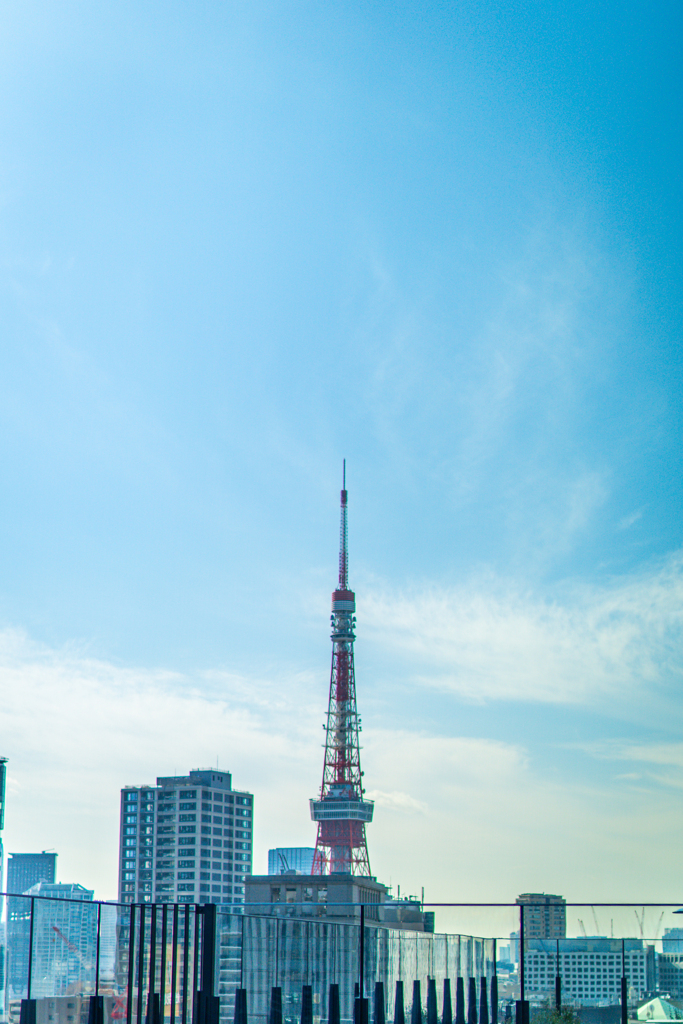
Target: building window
x,y
186,874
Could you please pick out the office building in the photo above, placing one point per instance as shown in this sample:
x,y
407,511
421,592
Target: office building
x,y
291,858
24,870
672,940
545,916
64,940
27,869
590,970
186,840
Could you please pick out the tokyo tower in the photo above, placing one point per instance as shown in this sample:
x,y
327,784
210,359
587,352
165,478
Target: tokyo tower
x,y
341,811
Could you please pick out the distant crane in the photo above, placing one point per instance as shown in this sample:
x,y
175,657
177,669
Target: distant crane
x,y
73,949
583,928
659,925
640,918
595,918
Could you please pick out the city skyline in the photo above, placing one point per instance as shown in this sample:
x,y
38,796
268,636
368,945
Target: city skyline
x,y
244,242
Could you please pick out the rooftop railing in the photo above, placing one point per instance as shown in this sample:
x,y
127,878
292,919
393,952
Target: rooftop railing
x,y
75,961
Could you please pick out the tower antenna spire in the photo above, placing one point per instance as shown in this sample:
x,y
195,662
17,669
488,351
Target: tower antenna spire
x,y
344,537
341,811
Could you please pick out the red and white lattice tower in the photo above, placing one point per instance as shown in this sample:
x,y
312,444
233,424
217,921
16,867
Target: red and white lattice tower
x,y
341,811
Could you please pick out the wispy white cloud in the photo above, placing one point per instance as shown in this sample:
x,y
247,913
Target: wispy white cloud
x,y
488,641
653,764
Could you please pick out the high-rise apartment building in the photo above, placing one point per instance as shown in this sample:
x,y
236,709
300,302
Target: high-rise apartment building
x,y
545,916
186,840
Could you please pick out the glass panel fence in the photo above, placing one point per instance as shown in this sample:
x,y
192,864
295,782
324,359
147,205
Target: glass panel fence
x,y
81,962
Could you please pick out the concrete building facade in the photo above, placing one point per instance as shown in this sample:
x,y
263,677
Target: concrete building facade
x,y
186,840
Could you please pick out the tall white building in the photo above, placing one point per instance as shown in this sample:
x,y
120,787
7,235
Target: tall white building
x,y
186,840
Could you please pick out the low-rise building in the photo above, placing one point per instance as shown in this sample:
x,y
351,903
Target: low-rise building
x,y
590,969
335,897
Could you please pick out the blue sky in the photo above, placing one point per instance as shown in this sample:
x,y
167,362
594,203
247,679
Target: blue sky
x,y
242,241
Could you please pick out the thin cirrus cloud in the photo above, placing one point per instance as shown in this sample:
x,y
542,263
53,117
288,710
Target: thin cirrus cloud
x,y
486,642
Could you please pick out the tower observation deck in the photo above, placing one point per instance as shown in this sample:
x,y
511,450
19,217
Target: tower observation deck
x,y
341,810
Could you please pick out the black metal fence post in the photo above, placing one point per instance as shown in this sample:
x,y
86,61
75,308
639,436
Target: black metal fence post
x,y
483,1001
522,1007
186,965
306,1004
460,1001
97,949
141,965
174,961
152,1016
96,1002
30,950
432,1017
472,1015
162,968
624,988
558,978
494,985
361,954
416,1009
275,1015
335,1006
447,1016
399,1005
207,1009
131,963
380,1015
